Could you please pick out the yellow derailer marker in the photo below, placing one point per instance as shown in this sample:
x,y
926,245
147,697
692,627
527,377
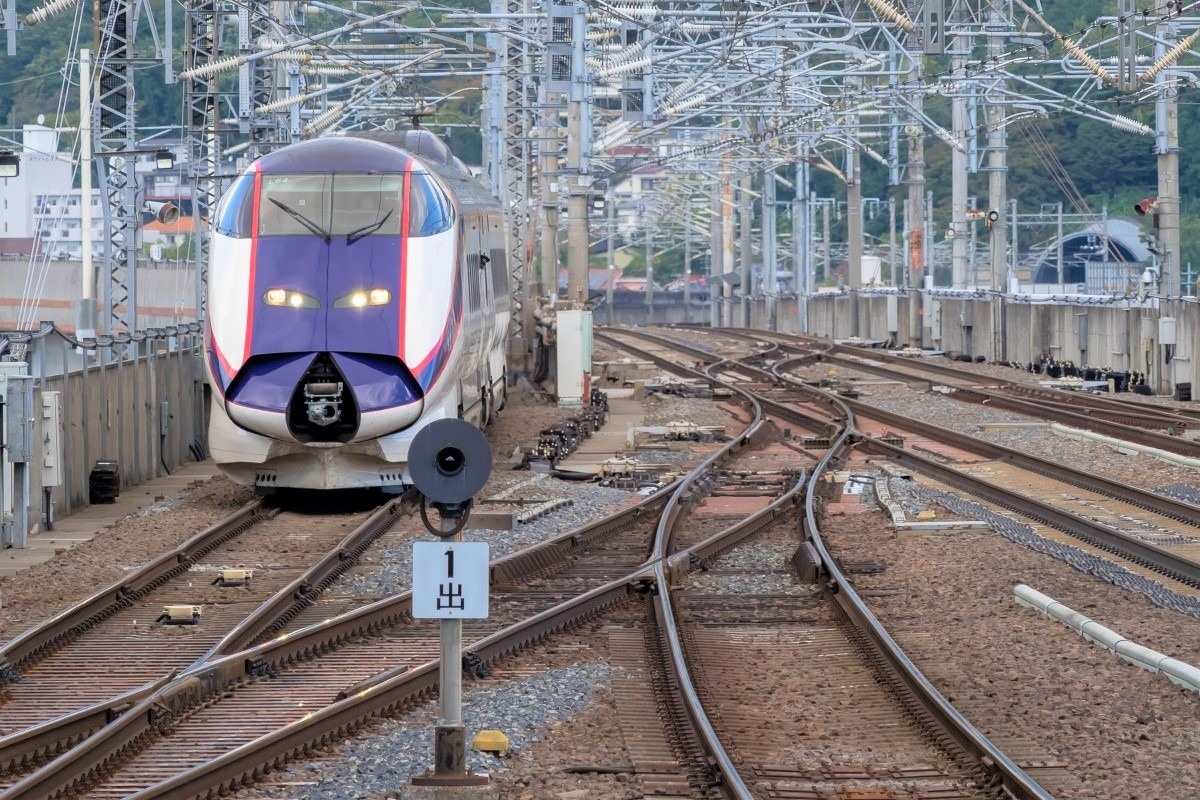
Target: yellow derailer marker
x,y
179,615
233,577
493,742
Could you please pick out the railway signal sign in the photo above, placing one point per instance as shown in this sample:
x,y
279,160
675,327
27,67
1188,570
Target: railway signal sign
x,y
450,580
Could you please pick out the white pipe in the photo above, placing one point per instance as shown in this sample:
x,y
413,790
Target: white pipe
x,y
1122,446
85,169
1177,671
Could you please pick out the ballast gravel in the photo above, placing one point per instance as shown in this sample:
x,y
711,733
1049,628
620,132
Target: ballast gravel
x,y
1033,436
382,764
1121,732
589,502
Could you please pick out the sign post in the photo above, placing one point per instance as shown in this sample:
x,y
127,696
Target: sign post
x,y
449,461
450,583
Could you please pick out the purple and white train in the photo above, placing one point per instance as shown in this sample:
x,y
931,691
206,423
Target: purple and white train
x,y
358,290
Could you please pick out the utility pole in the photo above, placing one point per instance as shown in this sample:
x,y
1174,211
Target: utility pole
x,y
86,311
770,285
997,209
579,145
649,274
716,244
958,162
610,206
746,258
916,205
854,214
727,243
687,267
1166,129
801,233
551,182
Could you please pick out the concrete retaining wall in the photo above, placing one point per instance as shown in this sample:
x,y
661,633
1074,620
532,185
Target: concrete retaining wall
x,y
114,412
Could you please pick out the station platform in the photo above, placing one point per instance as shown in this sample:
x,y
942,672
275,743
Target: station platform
x,y
87,523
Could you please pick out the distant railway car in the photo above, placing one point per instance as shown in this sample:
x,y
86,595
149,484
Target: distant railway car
x,y
358,290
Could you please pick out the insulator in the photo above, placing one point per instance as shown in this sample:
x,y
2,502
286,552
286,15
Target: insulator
x,y
49,10
600,36
621,69
691,102
220,65
325,120
278,105
291,57
679,91
332,71
1082,57
647,12
892,14
695,28
1123,123
1170,57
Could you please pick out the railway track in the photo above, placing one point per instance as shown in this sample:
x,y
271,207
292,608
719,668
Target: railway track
x,y
1153,426
1166,560
699,741
81,668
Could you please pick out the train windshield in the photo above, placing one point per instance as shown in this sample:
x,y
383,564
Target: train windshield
x,y
352,206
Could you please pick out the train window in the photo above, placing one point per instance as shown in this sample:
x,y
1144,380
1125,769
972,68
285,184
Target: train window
x,y
362,201
237,208
429,209
293,205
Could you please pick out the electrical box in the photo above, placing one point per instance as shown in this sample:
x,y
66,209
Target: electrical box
x,y
933,314
1166,330
164,418
574,356
51,439
893,313
18,412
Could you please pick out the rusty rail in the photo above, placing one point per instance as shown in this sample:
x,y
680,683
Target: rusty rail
x,y
55,630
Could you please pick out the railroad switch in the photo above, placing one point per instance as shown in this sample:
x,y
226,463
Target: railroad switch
x,y
492,742
233,577
180,615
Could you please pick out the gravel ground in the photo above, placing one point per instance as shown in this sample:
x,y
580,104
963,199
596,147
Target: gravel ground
x,y
1123,732
664,409
589,502
764,560
940,410
44,589
401,749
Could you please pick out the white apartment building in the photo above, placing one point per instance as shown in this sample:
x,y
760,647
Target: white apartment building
x,y
43,170
42,202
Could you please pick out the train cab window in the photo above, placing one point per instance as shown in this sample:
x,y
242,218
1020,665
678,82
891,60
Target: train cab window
x,y
293,205
360,202
237,209
429,209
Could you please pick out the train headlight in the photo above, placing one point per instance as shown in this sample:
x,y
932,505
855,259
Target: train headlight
x,y
364,298
283,297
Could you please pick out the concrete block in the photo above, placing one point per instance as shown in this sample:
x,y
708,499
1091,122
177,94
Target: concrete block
x,y
409,792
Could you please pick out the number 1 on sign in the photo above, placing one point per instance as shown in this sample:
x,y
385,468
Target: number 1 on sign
x,y
450,563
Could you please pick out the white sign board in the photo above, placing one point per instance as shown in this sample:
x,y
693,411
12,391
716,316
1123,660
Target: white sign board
x,y
450,580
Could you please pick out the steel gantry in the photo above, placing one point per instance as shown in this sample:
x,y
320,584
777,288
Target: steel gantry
x,y
724,103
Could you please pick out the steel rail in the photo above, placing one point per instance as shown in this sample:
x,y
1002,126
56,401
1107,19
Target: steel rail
x,y
43,741
204,681
52,632
59,733
1133,422
1172,565
1134,495
282,607
1015,780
